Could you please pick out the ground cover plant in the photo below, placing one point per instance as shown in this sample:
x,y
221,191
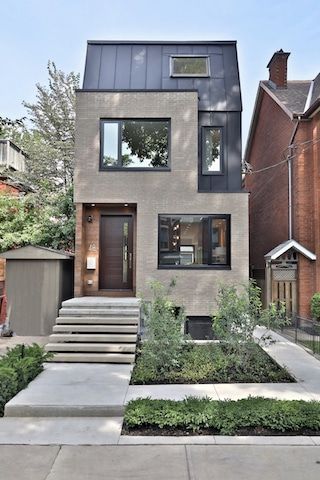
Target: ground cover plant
x,y
18,367
167,357
196,416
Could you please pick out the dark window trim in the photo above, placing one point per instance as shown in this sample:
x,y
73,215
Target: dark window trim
x,y
222,149
227,266
190,75
119,168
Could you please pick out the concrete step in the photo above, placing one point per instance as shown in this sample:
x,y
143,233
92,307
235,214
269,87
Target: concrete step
x,y
95,328
94,357
90,320
96,312
86,302
91,337
91,347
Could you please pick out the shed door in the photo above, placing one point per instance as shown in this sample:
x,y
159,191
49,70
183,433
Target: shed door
x,y
116,252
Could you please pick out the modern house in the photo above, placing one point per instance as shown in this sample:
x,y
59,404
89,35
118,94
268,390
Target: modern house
x,y
283,158
158,188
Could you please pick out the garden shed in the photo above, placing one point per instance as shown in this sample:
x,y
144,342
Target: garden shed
x,y
38,279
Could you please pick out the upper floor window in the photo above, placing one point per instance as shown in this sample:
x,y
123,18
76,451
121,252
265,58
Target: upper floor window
x,y
189,66
212,151
135,144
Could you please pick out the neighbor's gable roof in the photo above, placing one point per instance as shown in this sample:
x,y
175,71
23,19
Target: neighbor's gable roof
x,y
31,252
287,245
143,65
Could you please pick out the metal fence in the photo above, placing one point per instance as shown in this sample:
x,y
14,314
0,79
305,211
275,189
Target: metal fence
x,y
304,331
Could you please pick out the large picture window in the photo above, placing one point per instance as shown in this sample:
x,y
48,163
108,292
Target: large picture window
x,y
194,241
135,144
212,151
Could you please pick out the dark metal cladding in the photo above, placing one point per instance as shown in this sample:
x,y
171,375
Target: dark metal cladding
x,y
146,66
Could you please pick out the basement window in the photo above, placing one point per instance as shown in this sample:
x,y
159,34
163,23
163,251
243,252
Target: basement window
x,y
189,66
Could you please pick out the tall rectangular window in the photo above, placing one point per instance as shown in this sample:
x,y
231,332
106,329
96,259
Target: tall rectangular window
x,y
191,241
212,151
135,144
189,66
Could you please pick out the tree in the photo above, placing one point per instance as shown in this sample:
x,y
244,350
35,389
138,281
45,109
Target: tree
x,y
53,118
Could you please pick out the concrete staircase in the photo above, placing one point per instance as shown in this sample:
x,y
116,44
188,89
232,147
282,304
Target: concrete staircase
x,y
96,329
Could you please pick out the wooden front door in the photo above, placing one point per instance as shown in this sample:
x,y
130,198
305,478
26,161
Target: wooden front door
x,y
286,292
116,252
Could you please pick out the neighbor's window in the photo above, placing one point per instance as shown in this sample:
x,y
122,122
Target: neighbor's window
x,y
194,241
212,150
189,66
134,144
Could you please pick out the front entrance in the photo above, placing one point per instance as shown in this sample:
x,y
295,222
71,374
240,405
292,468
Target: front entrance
x,y
116,252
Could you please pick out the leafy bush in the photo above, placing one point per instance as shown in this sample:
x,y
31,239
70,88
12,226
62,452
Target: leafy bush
x,y
8,385
255,415
162,350
18,367
214,363
239,312
315,306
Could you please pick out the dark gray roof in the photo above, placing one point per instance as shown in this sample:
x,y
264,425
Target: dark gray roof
x,y
145,66
316,89
293,97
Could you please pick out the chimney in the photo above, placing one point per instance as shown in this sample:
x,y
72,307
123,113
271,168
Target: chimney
x,y
278,68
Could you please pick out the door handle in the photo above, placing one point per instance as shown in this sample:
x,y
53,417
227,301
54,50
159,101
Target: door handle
x,y
130,260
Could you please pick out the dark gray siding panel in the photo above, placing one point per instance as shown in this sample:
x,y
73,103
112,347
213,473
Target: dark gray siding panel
x,y
107,68
154,66
92,71
147,66
123,66
138,67
231,178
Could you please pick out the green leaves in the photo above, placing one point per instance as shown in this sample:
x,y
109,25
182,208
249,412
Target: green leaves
x,y
253,415
18,367
315,305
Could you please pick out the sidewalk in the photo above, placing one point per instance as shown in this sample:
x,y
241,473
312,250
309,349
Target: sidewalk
x,y
159,462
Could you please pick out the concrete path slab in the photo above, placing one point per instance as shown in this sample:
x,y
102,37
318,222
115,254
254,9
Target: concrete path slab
x,y
60,431
119,463
26,462
250,463
281,391
73,390
171,392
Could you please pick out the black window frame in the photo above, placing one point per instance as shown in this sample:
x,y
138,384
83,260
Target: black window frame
x,y
222,149
212,266
119,168
189,75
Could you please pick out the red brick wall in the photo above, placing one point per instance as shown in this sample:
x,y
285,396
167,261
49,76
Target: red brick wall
x,y
268,201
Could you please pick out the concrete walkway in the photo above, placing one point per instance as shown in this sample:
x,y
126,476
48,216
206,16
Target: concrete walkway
x,y
159,462
87,392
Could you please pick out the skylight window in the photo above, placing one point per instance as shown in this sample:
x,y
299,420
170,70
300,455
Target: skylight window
x,y
190,66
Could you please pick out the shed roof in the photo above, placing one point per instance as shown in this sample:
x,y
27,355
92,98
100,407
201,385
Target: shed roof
x,y
143,65
31,252
287,245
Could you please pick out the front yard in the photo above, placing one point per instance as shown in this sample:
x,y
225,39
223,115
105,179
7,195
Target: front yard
x,y
212,363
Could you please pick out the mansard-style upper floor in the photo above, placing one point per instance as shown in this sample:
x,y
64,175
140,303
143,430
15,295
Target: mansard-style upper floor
x,y
211,68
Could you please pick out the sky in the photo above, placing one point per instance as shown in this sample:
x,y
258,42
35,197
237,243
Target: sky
x,y
35,31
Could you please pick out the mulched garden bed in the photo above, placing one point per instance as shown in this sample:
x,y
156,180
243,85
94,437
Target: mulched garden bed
x,y
213,363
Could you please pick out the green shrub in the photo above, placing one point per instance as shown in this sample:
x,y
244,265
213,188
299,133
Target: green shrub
x,y
315,306
164,338
8,385
18,367
214,363
256,415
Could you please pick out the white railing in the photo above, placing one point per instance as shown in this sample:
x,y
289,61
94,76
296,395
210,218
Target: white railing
x,y
11,156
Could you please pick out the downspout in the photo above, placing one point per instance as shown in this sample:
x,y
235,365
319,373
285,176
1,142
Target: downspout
x,y
290,157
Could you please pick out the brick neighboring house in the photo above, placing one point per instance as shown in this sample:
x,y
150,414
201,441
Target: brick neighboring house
x,y
283,154
181,211
12,159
